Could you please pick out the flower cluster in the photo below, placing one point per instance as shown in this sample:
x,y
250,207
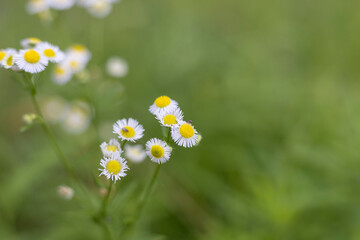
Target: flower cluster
x,y
159,151
97,8
75,60
33,58
113,163
167,111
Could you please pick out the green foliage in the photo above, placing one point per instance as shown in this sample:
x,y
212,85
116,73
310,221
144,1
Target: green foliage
x,y
271,85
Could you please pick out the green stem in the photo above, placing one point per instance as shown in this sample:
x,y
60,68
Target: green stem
x,y
52,138
105,201
144,199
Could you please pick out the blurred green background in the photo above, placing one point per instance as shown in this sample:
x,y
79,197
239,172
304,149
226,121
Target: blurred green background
x,y
273,86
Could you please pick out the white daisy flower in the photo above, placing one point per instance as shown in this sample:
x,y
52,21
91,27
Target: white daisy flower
x,y
111,147
8,61
2,56
184,134
50,52
65,192
135,153
30,42
80,50
30,60
76,62
77,57
61,74
171,117
158,150
128,129
61,4
114,167
99,8
37,6
162,104
117,67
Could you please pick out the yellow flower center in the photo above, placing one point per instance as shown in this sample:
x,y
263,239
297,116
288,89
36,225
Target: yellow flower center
x,y
162,101
35,40
157,151
32,56
49,53
186,130
127,132
74,64
9,61
112,148
78,47
2,55
170,119
113,167
59,71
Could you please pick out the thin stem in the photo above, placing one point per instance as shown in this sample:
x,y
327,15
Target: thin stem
x,y
105,201
143,200
52,138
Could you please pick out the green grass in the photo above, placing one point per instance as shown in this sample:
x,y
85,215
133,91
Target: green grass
x,y
273,86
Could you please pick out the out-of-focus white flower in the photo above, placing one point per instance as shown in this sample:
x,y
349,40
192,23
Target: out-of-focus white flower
x,y
77,119
65,192
61,74
117,67
37,6
54,109
30,42
61,4
99,8
8,60
135,153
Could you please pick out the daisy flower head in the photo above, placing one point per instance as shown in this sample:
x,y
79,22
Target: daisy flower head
x,y
184,134
37,6
80,50
77,57
162,104
111,147
114,167
61,4
30,42
171,117
135,153
158,150
61,74
100,8
2,55
8,60
128,129
50,52
30,60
